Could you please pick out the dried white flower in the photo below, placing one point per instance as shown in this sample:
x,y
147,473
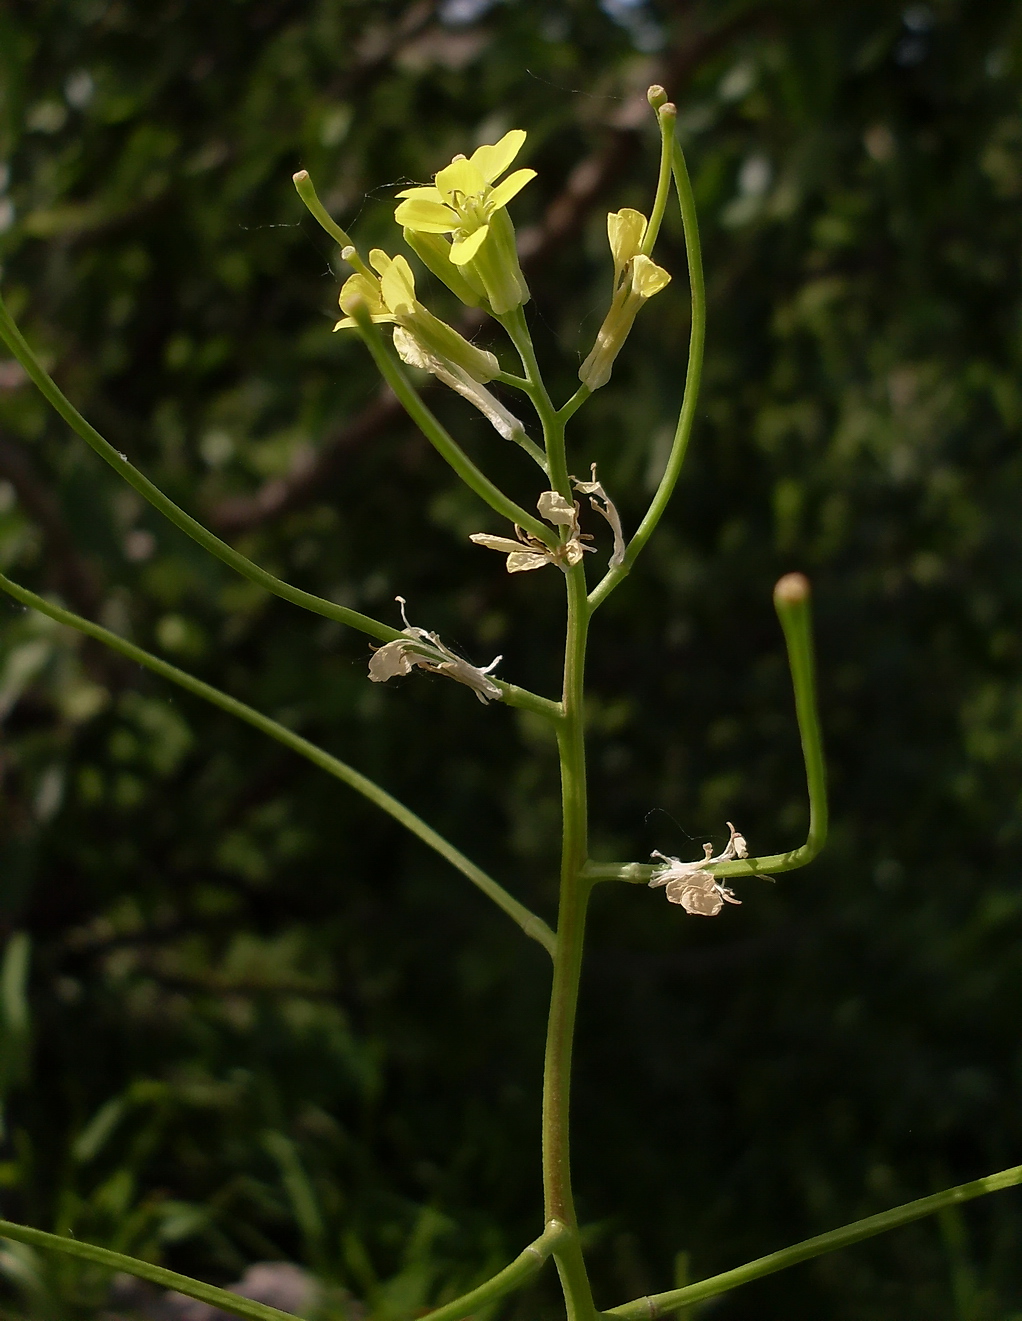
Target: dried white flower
x,y
413,352
603,504
528,552
396,659
693,884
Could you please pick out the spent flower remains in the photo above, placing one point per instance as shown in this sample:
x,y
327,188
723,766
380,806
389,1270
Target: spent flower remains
x,y
460,229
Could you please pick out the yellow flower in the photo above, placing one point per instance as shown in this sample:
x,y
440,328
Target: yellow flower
x,y
636,278
389,296
466,202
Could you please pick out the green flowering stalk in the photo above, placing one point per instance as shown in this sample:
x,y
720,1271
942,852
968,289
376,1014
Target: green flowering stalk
x,y
460,228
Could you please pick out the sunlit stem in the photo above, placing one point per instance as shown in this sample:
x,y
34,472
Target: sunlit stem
x,y
693,377
792,602
307,192
661,1304
531,924
512,1277
666,115
445,445
19,346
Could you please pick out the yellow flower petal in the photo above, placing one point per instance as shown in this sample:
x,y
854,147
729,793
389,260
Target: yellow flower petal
x,y
422,194
428,217
625,230
493,161
503,193
648,278
361,289
398,285
463,250
461,176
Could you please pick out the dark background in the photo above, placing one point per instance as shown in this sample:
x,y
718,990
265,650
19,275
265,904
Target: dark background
x,y
265,1023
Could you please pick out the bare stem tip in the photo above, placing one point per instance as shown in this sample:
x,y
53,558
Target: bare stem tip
x,y
300,177
792,589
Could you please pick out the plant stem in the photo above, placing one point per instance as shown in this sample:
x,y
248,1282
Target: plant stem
x,y
574,898
666,116
445,445
693,377
48,388
531,924
660,1304
512,1277
144,1270
553,425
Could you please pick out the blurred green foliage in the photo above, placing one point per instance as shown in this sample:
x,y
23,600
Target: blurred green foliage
x,y
263,1023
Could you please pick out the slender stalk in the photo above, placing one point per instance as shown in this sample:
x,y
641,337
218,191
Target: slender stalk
x,y
144,1270
437,435
792,602
660,1304
307,192
19,346
574,898
527,1264
666,116
531,924
553,426
693,376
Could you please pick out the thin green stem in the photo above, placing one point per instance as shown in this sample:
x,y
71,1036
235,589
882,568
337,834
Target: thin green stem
x,y
792,601
531,924
693,376
144,1270
666,116
527,1264
19,346
307,192
445,445
553,428
574,898
568,410
660,1304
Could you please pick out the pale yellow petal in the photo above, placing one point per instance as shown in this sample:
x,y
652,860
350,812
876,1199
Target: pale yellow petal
x,y
427,217
625,230
422,194
522,561
504,544
398,287
556,509
460,177
512,185
648,278
463,250
493,161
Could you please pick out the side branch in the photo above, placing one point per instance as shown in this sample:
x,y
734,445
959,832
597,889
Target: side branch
x,y
661,1304
144,1270
523,1268
531,924
19,346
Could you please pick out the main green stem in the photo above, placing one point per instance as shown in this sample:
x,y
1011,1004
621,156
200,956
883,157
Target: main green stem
x,y
574,899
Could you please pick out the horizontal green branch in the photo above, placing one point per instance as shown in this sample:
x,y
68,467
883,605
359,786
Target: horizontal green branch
x,y
319,605
660,1304
527,1264
531,924
144,1270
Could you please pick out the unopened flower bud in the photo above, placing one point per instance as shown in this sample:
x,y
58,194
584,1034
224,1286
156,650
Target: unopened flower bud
x,y
656,96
